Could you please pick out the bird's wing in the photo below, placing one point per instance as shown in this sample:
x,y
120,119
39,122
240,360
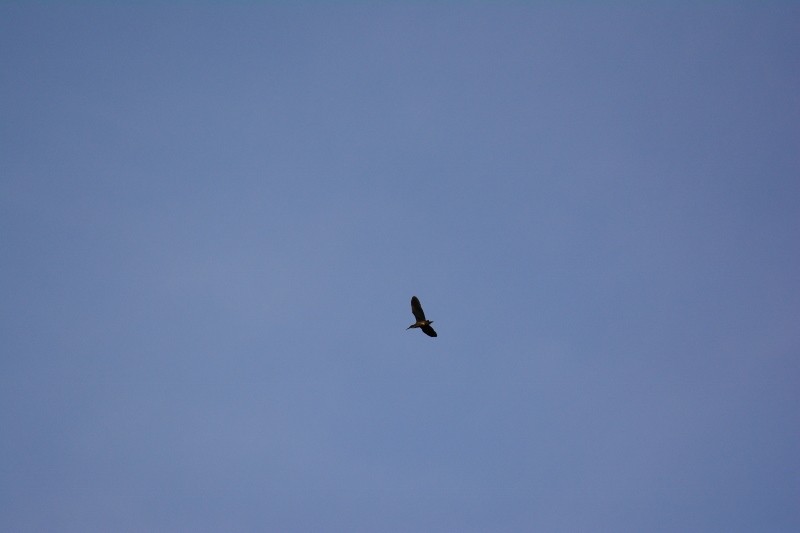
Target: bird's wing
x,y
416,308
428,330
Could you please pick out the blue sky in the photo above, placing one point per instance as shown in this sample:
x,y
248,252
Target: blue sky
x,y
214,217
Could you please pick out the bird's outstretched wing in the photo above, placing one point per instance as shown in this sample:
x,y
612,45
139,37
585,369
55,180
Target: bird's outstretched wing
x,y
428,330
416,308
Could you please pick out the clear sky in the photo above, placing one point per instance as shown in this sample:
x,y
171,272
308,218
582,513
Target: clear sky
x,y
213,218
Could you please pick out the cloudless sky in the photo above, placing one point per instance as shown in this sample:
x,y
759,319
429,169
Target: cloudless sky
x,y
213,218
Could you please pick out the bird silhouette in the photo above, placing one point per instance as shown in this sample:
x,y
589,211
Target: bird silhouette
x,y
419,314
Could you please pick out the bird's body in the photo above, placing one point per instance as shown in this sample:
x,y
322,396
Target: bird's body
x,y
419,314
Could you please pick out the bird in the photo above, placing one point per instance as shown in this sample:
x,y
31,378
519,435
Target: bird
x,y
419,314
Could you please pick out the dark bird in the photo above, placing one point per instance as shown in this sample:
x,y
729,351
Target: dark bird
x,y
419,314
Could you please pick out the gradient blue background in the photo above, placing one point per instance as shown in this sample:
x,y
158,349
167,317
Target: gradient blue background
x,y
213,218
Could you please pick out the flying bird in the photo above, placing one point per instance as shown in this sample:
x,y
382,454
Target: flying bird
x,y
419,314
